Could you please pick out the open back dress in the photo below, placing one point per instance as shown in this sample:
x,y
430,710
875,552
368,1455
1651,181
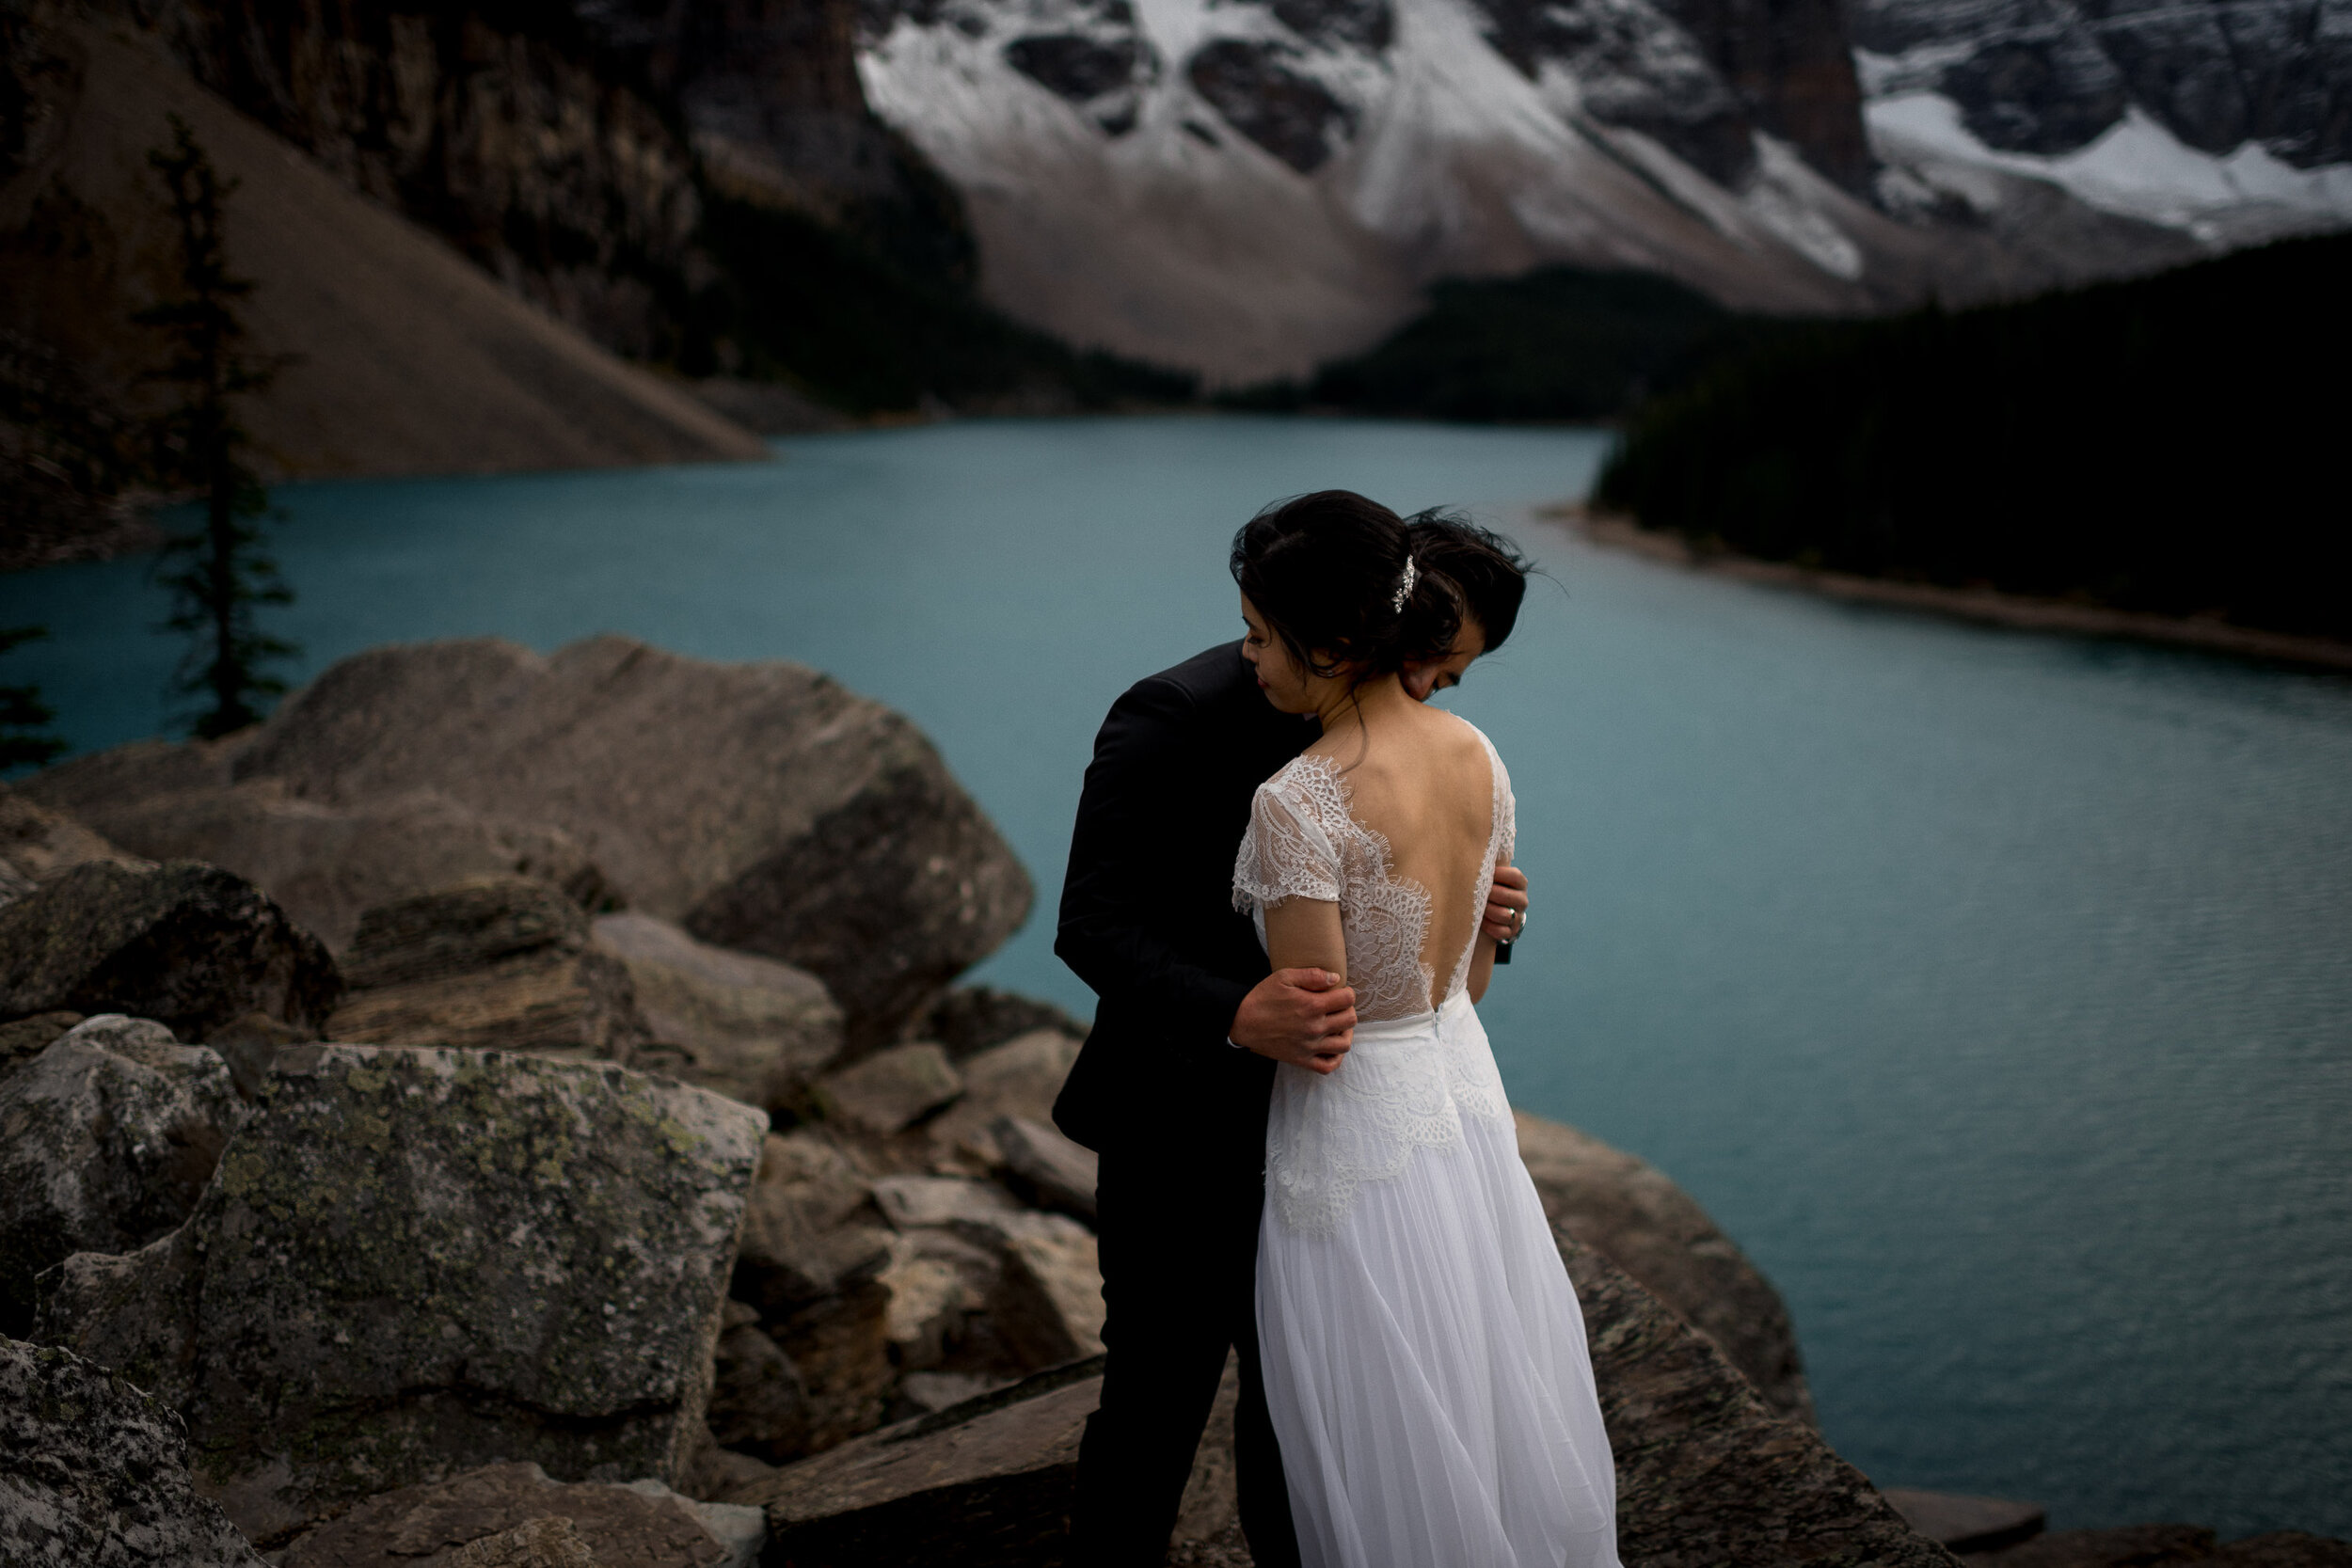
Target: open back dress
x,y
1425,1356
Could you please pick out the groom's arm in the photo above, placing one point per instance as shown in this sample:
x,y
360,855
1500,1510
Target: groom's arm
x,y
1105,934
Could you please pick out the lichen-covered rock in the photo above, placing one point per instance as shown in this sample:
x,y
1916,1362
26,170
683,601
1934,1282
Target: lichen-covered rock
x,y
1706,1472
495,962
1654,1231
94,1473
498,1515
24,1040
890,1090
411,1262
761,806
105,1140
192,946
749,1027
327,864
1018,1077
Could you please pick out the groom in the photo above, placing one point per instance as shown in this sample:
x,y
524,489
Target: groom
x,y
1171,1086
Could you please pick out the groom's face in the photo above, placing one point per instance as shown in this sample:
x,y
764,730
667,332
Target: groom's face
x,y
1438,675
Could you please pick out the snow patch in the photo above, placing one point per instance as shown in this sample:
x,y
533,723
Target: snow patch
x,y
2135,168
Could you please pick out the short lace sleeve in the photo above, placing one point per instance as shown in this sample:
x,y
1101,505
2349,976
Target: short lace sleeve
x,y
1506,813
1287,852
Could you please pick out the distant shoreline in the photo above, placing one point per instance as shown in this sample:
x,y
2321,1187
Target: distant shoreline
x,y
1983,606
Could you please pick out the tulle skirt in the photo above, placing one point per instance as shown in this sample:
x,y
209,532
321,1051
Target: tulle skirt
x,y
1425,1357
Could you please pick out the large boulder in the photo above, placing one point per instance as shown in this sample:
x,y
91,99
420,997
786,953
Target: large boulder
x,y
890,1090
94,1473
494,962
192,946
748,1027
1632,1212
327,864
761,806
464,1520
105,1142
1707,1471
414,1261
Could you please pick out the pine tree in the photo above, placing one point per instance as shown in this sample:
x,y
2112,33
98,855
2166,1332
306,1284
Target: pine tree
x,y
218,573
25,718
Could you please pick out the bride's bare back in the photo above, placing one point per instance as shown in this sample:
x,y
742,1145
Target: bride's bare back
x,y
1405,812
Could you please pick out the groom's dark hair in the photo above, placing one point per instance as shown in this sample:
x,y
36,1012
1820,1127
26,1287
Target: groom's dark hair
x,y
1486,566
1337,574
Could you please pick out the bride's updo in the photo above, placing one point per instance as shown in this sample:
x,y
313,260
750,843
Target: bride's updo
x,y
1334,575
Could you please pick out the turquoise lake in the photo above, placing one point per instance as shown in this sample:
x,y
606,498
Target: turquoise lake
x,y
1993,991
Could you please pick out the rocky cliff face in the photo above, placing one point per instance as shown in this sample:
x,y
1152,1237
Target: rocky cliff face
x,y
557,144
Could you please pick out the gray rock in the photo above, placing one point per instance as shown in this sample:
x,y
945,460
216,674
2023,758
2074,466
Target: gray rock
x,y
1706,1472
1046,1167
26,1039
970,1019
799,1242
2131,1547
501,1515
1654,1232
759,1403
411,1262
327,864
936,1283
2284,1548
759,805
890,1090
494,963
106,1141
810,1265
192,946
1967,1523
95,1473
751,1028
1018,1077
1047,1301
983,1484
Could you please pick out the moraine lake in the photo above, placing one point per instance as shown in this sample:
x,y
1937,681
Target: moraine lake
x,y
1993,991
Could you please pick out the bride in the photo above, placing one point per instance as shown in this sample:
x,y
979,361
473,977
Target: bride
x,y
1424,1359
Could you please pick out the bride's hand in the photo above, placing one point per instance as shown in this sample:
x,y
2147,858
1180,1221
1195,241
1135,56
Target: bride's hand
x,y
1506,906
1305,1017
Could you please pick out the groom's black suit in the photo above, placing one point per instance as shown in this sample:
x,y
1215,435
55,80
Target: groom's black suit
x,y
1177,1114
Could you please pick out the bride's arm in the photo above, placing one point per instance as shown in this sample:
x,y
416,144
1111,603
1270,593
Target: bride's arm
x,y
1303,933
1482,956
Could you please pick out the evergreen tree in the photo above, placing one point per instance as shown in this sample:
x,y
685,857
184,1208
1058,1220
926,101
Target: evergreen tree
x,y
217,574
25,718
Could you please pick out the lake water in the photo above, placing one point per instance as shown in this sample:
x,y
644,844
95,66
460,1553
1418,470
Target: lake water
x,y
1993,991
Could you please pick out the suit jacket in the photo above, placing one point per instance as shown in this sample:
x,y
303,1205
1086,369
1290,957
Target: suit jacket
x,y
1146,910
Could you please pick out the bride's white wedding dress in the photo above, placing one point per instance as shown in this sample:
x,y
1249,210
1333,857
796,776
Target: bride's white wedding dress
x,y
1425,1357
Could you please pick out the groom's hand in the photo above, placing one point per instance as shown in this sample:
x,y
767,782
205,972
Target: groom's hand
x,y
1305,1017
1506,906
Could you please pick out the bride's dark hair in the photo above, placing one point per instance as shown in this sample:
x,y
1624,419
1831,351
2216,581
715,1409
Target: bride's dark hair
x,y
1326,569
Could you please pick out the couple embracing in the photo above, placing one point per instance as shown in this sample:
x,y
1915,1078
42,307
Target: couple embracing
x,y
1289,884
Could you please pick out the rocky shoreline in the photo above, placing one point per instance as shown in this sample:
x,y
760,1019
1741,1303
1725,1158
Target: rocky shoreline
x,y
513,1112
1982,606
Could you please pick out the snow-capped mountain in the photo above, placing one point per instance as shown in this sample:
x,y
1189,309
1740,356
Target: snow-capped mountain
x,y
1252,186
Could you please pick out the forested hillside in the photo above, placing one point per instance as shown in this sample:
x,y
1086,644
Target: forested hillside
x,y
2170,445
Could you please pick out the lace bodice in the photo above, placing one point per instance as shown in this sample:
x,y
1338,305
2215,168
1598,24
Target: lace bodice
x,y
1304,841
